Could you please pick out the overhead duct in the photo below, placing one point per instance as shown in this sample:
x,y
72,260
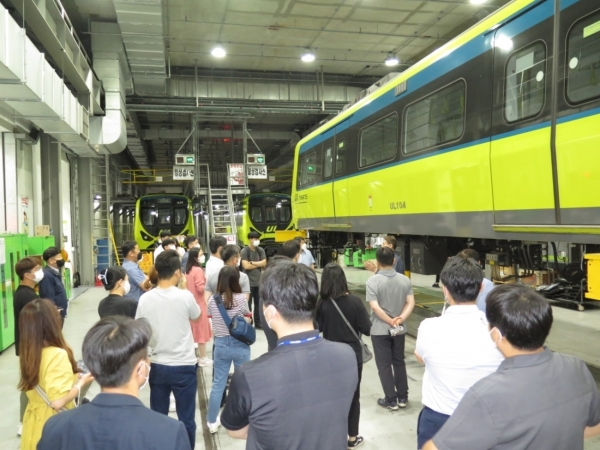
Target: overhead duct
x,y
141,24
109,130
151,135
33,89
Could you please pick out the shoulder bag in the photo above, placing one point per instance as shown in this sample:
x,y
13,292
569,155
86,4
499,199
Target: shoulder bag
x,y
238,327
47,401
366,353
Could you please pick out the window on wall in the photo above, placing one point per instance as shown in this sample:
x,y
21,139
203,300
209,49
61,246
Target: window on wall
x,y
328,162
256,214
378,141
436,119
340,158
525,83
583,60
310,170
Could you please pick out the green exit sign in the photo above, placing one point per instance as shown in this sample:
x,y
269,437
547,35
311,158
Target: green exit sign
x,y
189,160
260,160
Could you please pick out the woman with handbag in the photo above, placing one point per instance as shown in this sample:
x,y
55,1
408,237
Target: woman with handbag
x,y
226,348
341,316
195,284
49,374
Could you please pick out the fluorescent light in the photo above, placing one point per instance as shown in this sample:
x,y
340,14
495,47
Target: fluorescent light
x,y
308,56
391,60
218,52
477,2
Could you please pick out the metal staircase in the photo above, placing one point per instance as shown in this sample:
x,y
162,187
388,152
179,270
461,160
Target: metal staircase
x,y
220,203
101,218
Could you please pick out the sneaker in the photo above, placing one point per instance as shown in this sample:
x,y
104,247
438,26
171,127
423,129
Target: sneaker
x,y
172,407
205,362
214,427
435,285
402,402
20,429
392,406
356,443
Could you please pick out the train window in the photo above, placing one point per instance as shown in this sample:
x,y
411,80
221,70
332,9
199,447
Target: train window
x,y
180,216
583,60
164,216
436,119
340,158
256,214
271,214
285,214
310,170
378,141
525,83
148,217
328,163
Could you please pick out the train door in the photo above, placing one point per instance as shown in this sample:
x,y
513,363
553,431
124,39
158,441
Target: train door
x,y
578,122
340,184
521,157
328,163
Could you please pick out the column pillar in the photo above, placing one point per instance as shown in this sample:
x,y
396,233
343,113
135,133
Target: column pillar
x,y
51,187
86,213
10,183
38,199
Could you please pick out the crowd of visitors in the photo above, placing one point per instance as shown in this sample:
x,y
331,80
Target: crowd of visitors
x,y
489,381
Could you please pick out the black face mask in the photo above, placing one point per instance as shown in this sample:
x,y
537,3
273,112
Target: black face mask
x,y
139,256
60,263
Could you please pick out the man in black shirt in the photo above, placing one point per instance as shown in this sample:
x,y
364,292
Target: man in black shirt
x,y
30,273
296,397
51,286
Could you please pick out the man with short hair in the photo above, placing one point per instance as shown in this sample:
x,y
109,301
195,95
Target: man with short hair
x,y
306,257
487,286
51,286
254,260
115,350
231,257
537,399
189,243
30,273
132,255
164,235
389,242
291,249
215,262
169,311
297,396
455,347
391,298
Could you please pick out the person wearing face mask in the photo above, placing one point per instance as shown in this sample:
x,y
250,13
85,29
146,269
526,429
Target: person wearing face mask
x,y
115,350
30,273
51,286
455,347
254,260
189,243
231,257
537,399
174,363
389,242
115,280
215,262
195,284
306,257
160,245
132,256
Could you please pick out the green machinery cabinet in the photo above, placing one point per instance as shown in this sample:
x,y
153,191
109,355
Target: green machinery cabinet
x,y
357,258
348,260
36,245
13,252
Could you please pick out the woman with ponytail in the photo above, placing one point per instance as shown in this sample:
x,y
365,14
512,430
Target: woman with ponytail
x,y
116,281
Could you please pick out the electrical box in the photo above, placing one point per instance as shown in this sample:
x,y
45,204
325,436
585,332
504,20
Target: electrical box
x,y
256,159
185,159
428,258
593,276
497,259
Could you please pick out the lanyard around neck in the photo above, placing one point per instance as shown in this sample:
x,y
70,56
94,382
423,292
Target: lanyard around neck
x,y
298,341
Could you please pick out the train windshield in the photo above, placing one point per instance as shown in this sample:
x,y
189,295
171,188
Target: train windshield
x,y
164,213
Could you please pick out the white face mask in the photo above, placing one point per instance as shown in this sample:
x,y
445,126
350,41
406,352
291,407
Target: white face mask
x,y
256,242
265,314
170,247
499,336
126,287
145,377
39,276
197,245
202,259
303,246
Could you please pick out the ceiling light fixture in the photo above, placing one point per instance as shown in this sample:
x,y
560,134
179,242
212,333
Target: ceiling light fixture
x,y
477,2
391,60
218,51
308,56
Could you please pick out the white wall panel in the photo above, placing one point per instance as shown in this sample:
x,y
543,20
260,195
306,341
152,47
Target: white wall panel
x,y
25,196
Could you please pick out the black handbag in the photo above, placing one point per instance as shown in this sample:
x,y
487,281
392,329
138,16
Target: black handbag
x,y
366,352
238,327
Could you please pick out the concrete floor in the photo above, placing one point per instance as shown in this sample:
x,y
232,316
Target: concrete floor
x,y
573,332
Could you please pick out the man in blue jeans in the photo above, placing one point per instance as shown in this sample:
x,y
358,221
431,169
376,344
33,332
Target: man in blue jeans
x,y
169,310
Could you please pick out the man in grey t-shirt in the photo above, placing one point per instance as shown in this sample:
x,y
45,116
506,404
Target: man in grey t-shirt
x,y
231,257
391,298
254,260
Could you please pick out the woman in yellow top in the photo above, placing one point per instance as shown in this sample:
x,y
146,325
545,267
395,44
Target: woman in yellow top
x,y
46,361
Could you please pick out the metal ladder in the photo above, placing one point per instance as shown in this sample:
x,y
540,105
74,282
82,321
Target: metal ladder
x,y
222,216
101,217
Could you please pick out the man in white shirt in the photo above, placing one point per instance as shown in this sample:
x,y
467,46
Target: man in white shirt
x,y
166,244
231,257
215,262
306,257
174,363
455,347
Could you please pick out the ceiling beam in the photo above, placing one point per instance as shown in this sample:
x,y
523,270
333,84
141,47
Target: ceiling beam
x,y
219,134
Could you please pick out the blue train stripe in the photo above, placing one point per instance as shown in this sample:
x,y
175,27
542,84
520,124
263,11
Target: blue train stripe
x,y
472,49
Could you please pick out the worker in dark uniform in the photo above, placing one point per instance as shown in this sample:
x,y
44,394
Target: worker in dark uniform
x,y
51,286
